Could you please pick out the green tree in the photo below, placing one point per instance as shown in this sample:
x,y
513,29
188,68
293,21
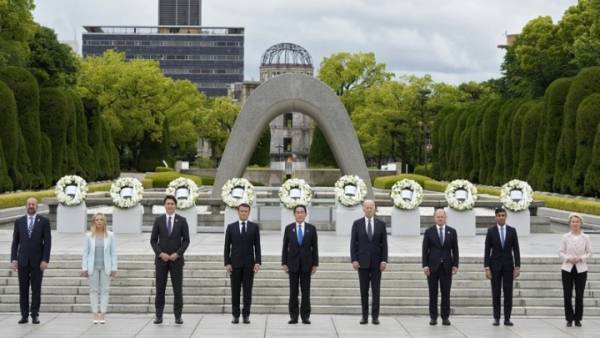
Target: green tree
x,y
10,134
16,29
46,160
489,128
217,123
53,63
72,164
529,135
592,177
262,153
84,151
54,118
5,181
588,118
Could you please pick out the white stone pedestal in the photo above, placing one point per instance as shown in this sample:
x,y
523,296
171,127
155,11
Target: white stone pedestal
x,y
191,216
231,215
406,222
521,221
345,217
287,217
128,221
462,221
71,218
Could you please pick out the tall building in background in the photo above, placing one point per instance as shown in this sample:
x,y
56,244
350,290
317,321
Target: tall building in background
x,y
210,57
179,12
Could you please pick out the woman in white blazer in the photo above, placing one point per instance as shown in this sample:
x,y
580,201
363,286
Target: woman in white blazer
x,y
99,265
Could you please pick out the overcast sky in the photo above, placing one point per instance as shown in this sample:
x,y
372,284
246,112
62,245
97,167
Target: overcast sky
x,y
453,40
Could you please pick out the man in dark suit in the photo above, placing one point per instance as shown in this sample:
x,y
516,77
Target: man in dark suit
x,y
440,262
242,260
501,267
369,254
29,255
300,259
169,240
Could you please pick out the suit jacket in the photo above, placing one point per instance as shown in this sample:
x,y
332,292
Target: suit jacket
x,y
242,251
109,253
368,253
498,258
177,242
32,250
436,253
300,257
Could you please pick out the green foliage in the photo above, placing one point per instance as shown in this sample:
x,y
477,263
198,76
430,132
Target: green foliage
x,y
54,118
320,154
87,162
205,162
487,146
386,182
5,181
10,134
46,160
71,162
18,199
54,64
162,180
423,170
163,169
261,155
588,118
592,176
515,138
216,123
530,131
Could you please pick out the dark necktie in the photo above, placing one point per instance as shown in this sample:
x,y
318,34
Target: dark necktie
x,y
370,230
169,225
243,228
502,239
300,234
30,226
441,235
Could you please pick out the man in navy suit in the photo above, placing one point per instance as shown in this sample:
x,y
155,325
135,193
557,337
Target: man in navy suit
x,y
300,259
440,262
501,267
369,254
169,239
242,260
29,255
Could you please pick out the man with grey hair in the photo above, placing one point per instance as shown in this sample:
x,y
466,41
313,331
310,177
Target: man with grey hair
x,y
369,255
440,262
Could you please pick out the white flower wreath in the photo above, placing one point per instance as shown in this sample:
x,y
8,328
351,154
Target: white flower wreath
x,y
516,195
294,192
237,191
461,195
126,192
350,190
71,190
185,192
407,194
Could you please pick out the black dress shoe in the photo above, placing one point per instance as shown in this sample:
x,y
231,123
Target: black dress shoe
x,y
246,320
433,322
569,324
375,321
306,321
23,320
235,320
178,320
445,322
158,320
364,321
36,320
508,323
496,322
293,321
577,323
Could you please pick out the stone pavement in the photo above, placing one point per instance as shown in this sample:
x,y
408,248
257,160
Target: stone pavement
x,y
117,325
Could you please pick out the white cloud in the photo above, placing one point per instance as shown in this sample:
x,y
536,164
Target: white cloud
x,y
454,40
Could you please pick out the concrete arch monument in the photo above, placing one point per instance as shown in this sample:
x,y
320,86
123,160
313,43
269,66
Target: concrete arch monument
x,y
282,94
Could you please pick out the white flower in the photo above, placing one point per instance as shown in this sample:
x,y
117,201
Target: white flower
x,y
71,190
350,190
516,195
467,195
126,192
295,192
237,191
185,191
407,194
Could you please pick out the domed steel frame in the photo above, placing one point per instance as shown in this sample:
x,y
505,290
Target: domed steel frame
x,y
286,54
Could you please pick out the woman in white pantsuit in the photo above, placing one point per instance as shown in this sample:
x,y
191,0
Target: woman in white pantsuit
x,y
99,265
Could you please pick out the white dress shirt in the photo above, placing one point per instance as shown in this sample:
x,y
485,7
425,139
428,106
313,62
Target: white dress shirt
x,y
572,246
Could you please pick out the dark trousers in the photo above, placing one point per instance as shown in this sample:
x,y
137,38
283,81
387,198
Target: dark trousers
x,y
369,278
502,280
442,279
243,276
570,279
301,279
162,271
30,276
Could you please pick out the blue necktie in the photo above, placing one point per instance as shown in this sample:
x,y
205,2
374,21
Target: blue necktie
x,y
300,234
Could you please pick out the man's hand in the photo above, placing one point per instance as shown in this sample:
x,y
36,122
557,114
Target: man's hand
x,y
256,268
173,257
382,266
314,269
84,274
355,265
488,273
165,257
454,270
285,268
427,271
516,273
43,265
14,266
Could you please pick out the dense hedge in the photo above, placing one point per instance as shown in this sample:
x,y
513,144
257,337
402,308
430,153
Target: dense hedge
x,y
588,118
386,182
162,180
262,153
320,154
54,118
592,176
5,181
529,135
19,198
10,133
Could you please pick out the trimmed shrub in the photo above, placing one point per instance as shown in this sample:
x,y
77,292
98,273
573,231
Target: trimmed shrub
x,y
205,162
10,133
54,118
504,121
515,138
529,134
423,170
262,153
163,169
592,176
84,151
588,118
96,139
386,182
24,166
46,160
320,153
19,198
162,180
487,141
71,160
5,181
114,168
